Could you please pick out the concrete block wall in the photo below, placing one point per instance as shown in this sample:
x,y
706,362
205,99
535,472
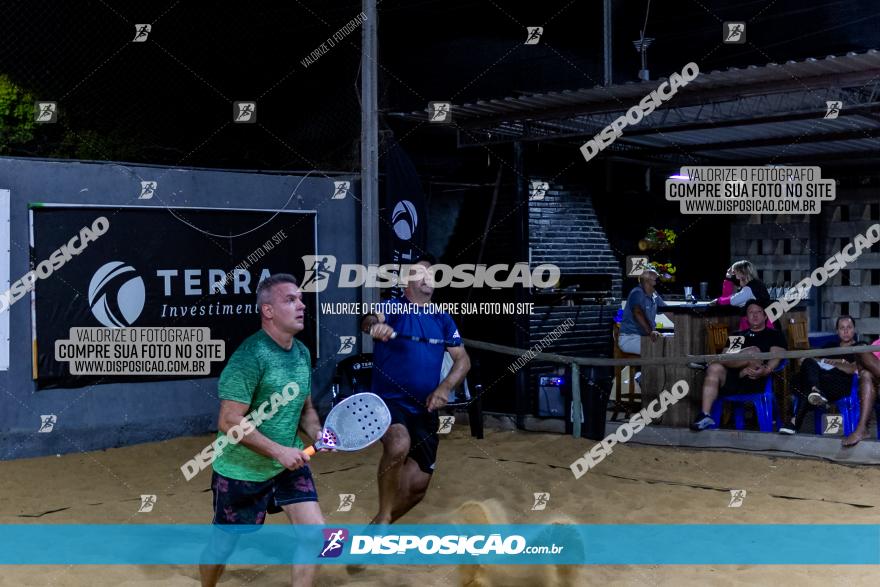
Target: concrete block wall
x,y
785,249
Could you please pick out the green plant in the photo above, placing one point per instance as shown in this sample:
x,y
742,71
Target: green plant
x,y
16,114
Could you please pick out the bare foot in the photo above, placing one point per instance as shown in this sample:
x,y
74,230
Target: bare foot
x,y
854,438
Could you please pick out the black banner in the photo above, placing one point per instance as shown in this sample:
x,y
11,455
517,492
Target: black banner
x,y
403,225
162,267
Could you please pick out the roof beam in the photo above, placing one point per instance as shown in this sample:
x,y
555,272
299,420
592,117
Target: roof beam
x,y
708,124
766,142
692,97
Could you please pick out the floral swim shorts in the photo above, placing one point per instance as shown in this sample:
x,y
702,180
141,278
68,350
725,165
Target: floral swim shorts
x,y
247,502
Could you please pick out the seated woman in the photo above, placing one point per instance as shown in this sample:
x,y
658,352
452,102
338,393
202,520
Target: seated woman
x,y
827,380
869,378
742,274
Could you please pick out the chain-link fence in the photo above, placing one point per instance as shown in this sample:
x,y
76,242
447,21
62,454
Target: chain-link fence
x,y
164,93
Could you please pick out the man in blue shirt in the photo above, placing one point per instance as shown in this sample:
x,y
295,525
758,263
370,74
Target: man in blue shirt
x,y
640,314
406,374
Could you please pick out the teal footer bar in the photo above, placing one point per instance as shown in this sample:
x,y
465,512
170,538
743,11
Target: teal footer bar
x,y
602,544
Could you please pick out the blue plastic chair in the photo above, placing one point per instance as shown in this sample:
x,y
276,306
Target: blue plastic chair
x,y
764,402
849,407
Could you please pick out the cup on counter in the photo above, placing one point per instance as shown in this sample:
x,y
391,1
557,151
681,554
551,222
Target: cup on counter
x,y
704,290
688,293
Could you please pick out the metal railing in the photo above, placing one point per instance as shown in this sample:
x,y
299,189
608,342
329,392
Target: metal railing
x,y
576,362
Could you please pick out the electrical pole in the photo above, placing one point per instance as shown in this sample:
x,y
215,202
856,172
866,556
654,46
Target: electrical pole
x,y
369,153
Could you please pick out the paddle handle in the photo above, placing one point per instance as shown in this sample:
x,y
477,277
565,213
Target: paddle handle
x,y
422,339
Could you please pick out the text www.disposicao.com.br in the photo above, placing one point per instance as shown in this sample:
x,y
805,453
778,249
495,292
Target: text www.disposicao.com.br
x,y
749,206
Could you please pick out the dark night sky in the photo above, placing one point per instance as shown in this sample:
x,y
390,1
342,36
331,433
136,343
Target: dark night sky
x,y
169,100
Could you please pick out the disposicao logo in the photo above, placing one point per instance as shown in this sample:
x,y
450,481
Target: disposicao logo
x,y
320,268
443,545
334,542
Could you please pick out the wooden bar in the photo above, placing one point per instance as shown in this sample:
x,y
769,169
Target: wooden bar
x,y
653,376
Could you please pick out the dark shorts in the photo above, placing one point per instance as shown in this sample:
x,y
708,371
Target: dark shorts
x,y
423,438
247,502
736,385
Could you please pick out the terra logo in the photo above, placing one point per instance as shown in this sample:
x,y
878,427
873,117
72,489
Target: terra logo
x,y
116,295
334,542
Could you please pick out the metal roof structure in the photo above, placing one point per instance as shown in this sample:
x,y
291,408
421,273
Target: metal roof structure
x,y
767,114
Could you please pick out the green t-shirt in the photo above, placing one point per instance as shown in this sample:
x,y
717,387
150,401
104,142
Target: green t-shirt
x,y
258,368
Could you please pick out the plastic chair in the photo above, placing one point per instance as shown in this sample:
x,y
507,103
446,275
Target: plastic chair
x,y
849,408
765,405
353,375
461,396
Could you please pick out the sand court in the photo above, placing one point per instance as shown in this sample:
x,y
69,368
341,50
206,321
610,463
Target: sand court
x,y
477,481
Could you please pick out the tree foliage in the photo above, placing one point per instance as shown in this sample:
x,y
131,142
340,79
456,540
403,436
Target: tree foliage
x,y
16,115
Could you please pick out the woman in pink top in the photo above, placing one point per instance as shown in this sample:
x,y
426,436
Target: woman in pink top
x,y
743,274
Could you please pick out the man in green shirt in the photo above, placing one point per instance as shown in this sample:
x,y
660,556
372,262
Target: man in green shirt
x,y
264,469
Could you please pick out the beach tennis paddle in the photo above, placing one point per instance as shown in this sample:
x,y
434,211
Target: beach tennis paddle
x,y
354,423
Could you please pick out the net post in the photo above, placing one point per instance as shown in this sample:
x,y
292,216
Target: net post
x,y
576,409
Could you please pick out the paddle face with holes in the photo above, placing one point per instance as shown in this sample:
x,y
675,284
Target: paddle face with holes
x,y
355,423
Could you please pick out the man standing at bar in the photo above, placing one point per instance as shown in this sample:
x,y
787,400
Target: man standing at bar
x,y
745,375
640,314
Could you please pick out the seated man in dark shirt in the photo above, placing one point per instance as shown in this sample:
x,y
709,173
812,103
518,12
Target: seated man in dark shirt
x,y
826,380
743,375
